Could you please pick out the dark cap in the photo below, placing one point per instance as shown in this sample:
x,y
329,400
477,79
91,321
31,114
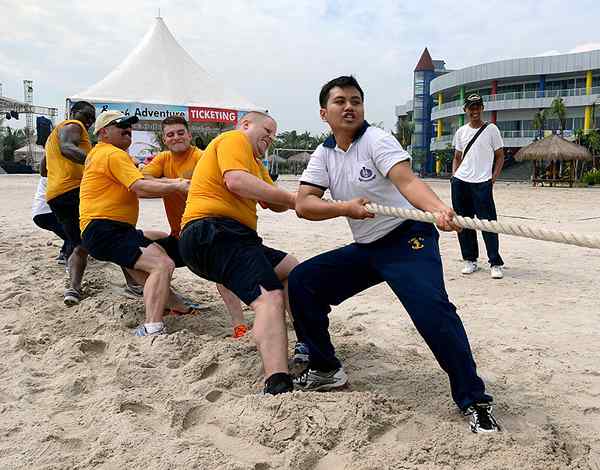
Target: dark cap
x,y
473,99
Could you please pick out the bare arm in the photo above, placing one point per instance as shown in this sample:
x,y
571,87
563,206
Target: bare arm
x,y
161,179
498,163
249,186
148,189
69,139
421,195
456,161
311,206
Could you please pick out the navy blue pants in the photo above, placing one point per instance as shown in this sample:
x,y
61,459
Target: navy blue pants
x,y
408,260
476,200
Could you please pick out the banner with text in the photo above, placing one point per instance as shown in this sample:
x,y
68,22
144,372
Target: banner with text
x,y
227,116
145,112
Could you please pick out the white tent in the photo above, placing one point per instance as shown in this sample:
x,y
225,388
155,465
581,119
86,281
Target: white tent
x,y
160,71
23,154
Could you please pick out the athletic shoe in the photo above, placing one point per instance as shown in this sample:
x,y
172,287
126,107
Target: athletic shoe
x,y
312,380
481,418
72,297
141,331
134,290
239,331
279,382
469,267
301,353
497,272
61,258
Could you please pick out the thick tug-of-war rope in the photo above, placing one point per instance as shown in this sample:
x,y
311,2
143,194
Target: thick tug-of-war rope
x,y
568,238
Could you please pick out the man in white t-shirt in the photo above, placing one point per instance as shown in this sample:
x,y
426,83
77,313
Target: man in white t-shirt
x,y
474,172
357,164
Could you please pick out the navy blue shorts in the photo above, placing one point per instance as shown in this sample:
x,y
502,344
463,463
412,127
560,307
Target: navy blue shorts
x,y
121,243
225,251
66,209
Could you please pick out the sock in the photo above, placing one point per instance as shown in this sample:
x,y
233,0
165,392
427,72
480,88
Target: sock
x,y
154,327
280,382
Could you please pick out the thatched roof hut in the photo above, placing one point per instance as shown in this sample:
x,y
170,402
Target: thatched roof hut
x,y
553,148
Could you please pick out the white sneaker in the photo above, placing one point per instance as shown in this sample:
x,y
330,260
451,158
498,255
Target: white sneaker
x,y
470,267
497,272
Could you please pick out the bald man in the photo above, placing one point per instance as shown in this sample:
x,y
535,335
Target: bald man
x,y
219,240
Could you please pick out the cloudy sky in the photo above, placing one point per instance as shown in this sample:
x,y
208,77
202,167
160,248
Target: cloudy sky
x,y
278,53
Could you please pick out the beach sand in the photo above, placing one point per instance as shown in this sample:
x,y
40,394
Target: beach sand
x,y
78,391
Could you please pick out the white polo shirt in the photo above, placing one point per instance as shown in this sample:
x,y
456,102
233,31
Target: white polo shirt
x,y
361,171
476,166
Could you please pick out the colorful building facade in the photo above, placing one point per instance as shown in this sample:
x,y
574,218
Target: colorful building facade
x,y
513,91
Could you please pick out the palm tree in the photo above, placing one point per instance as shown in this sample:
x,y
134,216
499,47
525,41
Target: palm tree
x,y
12,140
558,109
404,131
539,122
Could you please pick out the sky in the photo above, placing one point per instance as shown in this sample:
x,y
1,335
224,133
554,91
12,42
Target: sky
x,y
278,53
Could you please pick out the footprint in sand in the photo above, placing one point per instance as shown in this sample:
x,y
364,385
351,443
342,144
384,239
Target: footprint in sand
x,y
192,417
213,395
136,407
92,347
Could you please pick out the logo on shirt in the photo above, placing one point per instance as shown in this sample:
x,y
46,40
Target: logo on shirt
x,y
366,174
416,243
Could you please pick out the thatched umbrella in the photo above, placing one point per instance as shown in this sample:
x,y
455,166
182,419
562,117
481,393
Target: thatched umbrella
x,y
553,148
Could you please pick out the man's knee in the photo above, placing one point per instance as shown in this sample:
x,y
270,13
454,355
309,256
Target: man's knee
x,y
273,300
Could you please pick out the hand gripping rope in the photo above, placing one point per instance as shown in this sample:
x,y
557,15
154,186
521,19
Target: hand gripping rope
x,y
568,238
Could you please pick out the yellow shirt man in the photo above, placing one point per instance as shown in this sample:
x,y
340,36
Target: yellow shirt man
x,y
165,164
63,174
208,195
109,172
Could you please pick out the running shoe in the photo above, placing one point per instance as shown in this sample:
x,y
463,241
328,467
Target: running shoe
x,y
61,259
280,382
313,380
141,331
481,418
239,331
72,297
134,290
497,272
301,353
469,267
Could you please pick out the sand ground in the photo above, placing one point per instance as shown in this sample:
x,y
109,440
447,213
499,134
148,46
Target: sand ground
x,y
77,390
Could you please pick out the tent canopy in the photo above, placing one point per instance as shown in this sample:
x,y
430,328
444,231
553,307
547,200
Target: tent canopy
x,y
160,71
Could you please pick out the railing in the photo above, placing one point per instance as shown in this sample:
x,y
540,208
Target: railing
x,y
523,134
522,95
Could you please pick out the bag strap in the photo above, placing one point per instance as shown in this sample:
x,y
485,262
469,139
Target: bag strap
x,y
472,141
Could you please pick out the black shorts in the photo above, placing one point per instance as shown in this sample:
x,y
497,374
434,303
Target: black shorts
x,y
225,251
66,209
121,243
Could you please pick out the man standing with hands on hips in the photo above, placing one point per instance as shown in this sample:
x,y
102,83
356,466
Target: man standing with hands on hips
x,y
478,160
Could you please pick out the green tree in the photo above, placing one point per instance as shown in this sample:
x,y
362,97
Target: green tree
x,y
404,131
558,109
12,140
539,122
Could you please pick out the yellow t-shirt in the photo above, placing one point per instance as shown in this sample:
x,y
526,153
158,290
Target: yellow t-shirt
x,y
63,174
208,195
104,194
165,164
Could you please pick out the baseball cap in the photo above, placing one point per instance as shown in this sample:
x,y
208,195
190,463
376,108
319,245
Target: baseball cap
x,y
109,117
473,99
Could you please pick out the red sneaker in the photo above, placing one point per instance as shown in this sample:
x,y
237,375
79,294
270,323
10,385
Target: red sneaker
x,y
239,331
